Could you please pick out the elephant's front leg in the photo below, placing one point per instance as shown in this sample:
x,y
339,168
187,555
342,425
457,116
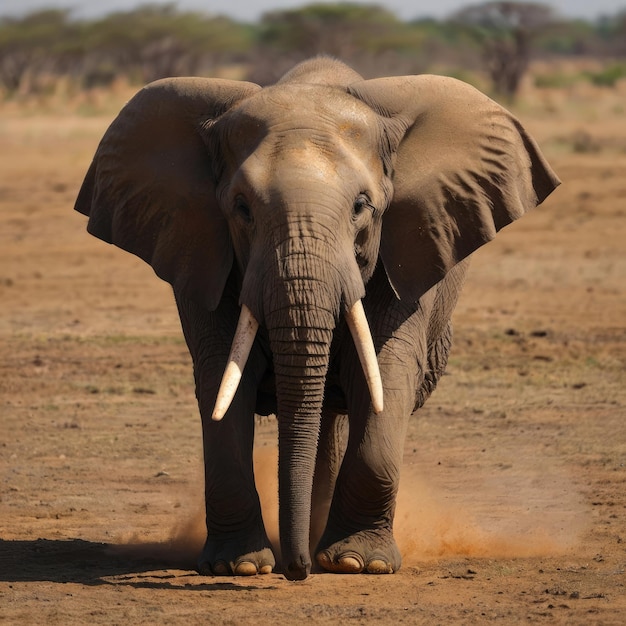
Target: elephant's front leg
x,y
359,533
237,543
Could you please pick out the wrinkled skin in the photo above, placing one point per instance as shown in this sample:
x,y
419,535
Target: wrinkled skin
x,y
298,200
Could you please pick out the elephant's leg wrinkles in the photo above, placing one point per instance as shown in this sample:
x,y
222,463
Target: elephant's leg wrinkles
x,y
359,532
331,448
237,542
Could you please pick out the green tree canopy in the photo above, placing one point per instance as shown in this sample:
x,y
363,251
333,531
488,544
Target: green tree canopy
x,y
157,40
504,31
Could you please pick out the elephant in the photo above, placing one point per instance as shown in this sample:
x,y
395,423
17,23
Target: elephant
x,y
316,234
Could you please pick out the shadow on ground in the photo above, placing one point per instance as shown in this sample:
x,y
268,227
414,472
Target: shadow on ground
x,y
70,560
92,564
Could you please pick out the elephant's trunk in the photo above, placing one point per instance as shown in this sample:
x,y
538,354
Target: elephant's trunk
x,y
300,369
299,307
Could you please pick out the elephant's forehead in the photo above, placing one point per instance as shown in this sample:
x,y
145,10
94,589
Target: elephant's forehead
x,y
314,108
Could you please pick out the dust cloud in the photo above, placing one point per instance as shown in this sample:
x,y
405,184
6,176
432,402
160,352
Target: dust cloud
x,y
514,516
179,549
477,516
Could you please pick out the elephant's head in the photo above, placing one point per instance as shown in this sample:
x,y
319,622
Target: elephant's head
x,y
300,189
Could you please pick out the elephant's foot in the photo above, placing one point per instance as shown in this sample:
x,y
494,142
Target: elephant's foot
x,y
366,551
237,555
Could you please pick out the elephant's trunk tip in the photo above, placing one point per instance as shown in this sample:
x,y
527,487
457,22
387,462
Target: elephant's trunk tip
x,y
297,572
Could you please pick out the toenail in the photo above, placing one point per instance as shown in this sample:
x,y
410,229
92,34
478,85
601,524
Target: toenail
x,y
350,564
245,568
220,569
378,566
323,559
204,569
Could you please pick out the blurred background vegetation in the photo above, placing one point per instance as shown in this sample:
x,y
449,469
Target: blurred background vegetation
x,y
490,44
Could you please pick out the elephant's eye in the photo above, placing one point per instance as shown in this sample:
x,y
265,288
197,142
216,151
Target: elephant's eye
x,y
361,204
242,208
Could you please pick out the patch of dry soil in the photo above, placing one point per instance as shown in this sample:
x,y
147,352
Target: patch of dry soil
x,y
513,503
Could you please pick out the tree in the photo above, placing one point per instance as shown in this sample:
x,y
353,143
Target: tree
x,y
154,41
504,32
355,33
32,47
612,30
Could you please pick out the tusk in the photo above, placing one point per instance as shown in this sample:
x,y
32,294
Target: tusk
x,y
360,330
239,352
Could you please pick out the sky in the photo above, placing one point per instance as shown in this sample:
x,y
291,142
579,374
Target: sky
x,y
251,10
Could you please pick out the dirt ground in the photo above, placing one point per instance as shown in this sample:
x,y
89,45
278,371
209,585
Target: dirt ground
x,y
513,502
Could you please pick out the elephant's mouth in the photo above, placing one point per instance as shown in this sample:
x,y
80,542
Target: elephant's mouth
x,y
245,333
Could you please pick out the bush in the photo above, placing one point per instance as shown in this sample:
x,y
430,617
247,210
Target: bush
x,y
608,76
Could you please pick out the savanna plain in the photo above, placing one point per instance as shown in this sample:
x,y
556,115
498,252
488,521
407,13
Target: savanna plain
x,y
513,495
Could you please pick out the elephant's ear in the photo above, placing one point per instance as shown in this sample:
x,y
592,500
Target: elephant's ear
x,y
464,168
150,191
